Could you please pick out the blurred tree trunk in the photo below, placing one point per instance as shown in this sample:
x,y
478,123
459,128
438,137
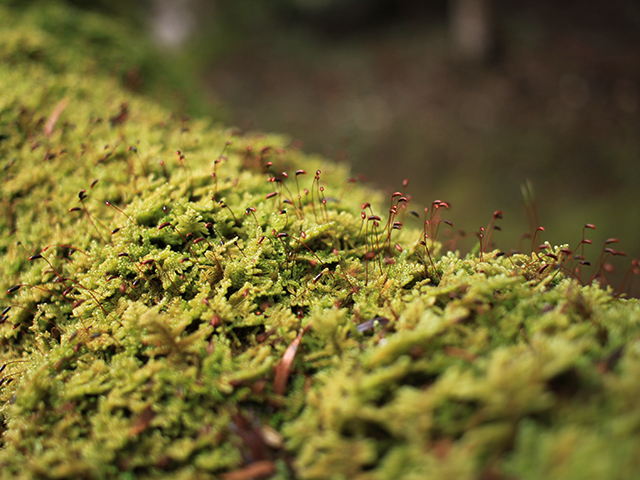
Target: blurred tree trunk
x,y
472,24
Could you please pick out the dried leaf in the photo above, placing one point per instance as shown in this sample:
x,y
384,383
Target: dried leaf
x,y
284,368
259,469
55,115
142,422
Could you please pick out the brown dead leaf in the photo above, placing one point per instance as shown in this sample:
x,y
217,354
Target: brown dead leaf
x,y
142,422
460,353
284,367
259,469
122,115
55,115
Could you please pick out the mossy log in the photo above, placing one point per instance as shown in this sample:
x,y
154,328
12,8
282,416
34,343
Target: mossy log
x,y
178,307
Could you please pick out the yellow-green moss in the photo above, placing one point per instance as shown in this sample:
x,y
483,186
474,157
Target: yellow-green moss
x,y
151,340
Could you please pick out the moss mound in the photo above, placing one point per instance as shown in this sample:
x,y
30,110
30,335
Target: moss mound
x,y
177,307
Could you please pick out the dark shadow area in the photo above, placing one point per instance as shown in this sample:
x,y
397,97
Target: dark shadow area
x,y
557,102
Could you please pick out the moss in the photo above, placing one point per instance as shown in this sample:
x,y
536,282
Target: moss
x,y
62,38
194,312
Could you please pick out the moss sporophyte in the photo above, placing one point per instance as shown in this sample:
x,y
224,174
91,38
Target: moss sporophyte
x,y
183,302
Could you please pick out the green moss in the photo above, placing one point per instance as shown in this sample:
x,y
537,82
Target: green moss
x,y
179,332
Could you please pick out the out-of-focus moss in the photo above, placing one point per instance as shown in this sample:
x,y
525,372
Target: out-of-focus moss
x,y
64,38
189,311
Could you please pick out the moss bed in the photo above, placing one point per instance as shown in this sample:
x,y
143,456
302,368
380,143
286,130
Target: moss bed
x,y
177,307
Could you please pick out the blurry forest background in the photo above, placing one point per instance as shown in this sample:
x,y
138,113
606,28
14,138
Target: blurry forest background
x,y
468,99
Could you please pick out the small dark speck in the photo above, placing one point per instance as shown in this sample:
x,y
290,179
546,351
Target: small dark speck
x,y
370,324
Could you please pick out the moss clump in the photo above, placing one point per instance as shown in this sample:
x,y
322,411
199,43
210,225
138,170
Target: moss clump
x,y
177,307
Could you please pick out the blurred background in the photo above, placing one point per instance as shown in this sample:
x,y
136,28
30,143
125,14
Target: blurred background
x,y
468,99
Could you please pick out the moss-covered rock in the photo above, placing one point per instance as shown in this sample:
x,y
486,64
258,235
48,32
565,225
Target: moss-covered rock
x,y
178,307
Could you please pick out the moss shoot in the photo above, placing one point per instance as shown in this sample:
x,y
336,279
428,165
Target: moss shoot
x,y
182,302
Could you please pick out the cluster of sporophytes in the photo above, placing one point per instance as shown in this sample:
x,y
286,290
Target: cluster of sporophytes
x,y
182,302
